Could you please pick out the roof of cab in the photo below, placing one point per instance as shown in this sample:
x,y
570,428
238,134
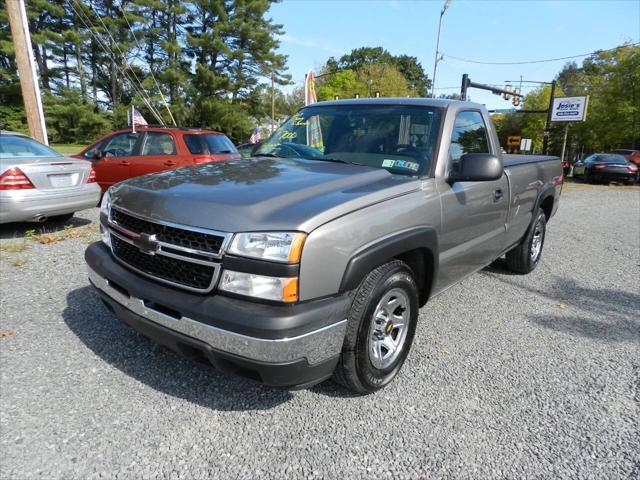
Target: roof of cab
x,y
423,102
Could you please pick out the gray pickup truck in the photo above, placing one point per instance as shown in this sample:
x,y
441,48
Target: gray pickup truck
x,y
312,258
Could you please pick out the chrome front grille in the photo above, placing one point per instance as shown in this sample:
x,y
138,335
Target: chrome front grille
x,y
200,240
169,253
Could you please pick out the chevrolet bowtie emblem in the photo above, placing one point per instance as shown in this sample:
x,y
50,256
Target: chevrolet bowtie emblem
x,y
146,243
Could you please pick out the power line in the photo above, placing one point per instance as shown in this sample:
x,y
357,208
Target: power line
x,y
93,32
166,104
539,61
115,44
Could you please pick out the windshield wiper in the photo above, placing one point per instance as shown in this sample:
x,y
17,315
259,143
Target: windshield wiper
x,y
339,160
272,155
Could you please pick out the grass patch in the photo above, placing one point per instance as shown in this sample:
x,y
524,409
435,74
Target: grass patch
x,y
15,246
19,262
67,148
67,233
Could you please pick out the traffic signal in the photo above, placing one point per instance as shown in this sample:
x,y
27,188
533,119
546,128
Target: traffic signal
x,y
516,97
507,89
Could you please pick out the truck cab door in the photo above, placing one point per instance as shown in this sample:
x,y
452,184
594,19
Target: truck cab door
x,y
474,214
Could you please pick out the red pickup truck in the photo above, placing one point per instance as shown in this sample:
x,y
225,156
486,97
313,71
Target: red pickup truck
x,y
125,154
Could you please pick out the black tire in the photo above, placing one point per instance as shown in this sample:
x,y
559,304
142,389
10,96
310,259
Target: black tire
x,y
356,369
61,218
586,178
520,259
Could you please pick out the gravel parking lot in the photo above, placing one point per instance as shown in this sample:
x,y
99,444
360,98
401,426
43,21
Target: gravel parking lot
x,y
509,376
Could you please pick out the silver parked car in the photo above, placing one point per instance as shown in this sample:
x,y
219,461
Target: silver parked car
x,y
38,183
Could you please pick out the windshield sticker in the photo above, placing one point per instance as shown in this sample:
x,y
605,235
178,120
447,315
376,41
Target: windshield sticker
x,y
288,135
298,119
413,166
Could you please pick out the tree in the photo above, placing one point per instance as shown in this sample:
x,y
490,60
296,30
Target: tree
x,y
383,78
414,75
342,83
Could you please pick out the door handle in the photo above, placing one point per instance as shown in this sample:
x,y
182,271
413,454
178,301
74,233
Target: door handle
x,y
124,163
170,163
497,195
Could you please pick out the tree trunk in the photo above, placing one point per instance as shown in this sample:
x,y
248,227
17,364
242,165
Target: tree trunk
x,y
81,73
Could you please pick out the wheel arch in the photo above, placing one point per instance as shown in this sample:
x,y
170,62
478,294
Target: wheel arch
x,y
417,247
546,201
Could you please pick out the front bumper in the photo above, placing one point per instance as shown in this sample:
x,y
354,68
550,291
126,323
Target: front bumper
x,y
26,205
280,345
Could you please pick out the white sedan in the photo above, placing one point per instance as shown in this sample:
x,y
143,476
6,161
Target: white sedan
x,y
37,183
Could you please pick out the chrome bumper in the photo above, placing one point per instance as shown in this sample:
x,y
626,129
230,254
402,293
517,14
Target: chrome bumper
x,y
316,346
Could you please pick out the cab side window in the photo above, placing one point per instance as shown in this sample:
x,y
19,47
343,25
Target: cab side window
x,y
90,154
469,136
158,143
120,145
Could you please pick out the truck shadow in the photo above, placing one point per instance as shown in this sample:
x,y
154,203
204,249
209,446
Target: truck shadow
x,y
20,229
597,313
158,367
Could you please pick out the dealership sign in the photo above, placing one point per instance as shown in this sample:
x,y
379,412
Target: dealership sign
x,y
569,109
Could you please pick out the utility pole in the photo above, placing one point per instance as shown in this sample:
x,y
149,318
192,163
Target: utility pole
x,y
435,63
27,69
564,141
547,124
273,102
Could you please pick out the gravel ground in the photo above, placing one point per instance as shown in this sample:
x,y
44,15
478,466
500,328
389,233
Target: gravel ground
x,y
509,376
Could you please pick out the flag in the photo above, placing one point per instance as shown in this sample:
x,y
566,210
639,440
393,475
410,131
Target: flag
x,y
314,131
310,89
255,136
138,119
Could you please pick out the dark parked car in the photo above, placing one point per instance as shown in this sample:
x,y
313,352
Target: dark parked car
x,y
605,167
125,154
629,154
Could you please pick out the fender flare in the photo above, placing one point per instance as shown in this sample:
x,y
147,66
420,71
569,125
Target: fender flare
x,y
384,250
546,192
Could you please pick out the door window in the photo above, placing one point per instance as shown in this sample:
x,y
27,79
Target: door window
x,y
158,143
469,136
120,145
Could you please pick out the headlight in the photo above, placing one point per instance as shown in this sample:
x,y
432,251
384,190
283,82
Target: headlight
x,y
105,205
105,209
260,286
276,246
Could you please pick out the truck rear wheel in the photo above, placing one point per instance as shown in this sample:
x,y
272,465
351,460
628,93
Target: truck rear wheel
x,y
381,326
525,256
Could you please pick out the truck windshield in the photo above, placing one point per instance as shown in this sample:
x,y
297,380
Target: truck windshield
x,y
398,138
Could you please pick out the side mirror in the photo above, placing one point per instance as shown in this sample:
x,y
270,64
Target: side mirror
x,y
255,148
477,167
97,154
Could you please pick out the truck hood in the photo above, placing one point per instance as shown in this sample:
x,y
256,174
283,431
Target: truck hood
x,y
259,194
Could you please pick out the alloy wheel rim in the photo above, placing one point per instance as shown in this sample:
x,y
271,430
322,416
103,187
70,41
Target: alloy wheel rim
x,y
536,242
388,330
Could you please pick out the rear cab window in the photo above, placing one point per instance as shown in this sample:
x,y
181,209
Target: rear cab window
x,y
203,144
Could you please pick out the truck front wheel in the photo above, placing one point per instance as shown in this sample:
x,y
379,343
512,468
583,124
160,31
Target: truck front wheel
x,y
525,256
380,329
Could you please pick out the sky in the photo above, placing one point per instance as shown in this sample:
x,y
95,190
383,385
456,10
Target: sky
x,y
494,31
